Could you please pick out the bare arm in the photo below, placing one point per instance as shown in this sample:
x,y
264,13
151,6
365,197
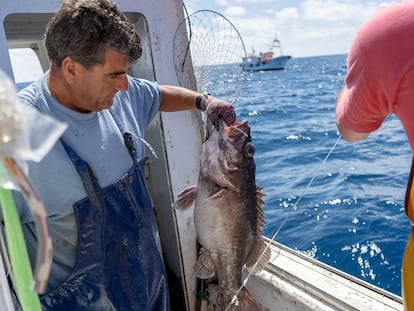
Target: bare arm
x,y
175,98
350,135
346,133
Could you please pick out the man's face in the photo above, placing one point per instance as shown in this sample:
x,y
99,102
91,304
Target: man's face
x,y
96,87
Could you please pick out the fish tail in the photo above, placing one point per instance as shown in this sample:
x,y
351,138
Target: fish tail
x,y
243,302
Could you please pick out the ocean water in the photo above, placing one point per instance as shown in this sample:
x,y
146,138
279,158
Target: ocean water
x,y
352,214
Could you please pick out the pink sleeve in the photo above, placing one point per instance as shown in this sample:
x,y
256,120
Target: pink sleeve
x,y
363,105
378,62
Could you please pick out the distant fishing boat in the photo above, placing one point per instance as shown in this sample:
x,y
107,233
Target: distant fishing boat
x,y
267,60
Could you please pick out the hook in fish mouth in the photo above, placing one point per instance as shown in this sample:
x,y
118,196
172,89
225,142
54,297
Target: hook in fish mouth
x,y
238,129
237,126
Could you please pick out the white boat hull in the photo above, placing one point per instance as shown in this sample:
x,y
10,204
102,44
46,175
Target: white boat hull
x,y
276,63
293,281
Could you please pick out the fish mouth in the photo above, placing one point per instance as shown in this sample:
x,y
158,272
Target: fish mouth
x,y
241,125
236,130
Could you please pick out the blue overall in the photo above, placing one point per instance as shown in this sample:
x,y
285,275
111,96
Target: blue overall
x,y
119,265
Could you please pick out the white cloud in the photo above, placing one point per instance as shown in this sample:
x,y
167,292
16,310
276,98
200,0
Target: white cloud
x,y
234,11
254,1
257,32
337,10
222,2
339,30
227,2
287,16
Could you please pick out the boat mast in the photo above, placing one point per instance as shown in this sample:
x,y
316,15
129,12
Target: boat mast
x,y
277,44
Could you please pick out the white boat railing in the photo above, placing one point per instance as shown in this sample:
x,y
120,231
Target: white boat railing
x,y
293,281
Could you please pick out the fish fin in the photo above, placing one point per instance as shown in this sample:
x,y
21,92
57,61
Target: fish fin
x,y
260,214
260,253
204,267
244,301
185,198
259,210
217,194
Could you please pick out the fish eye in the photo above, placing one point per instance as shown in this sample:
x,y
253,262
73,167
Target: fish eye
x,y
249,150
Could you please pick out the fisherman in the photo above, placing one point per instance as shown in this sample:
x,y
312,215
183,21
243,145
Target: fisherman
x,y
380,82
106,248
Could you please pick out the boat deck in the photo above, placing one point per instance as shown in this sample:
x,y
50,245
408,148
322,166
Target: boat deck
x,y
293,281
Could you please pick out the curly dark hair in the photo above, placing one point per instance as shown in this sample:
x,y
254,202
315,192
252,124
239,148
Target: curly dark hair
x,y
85,29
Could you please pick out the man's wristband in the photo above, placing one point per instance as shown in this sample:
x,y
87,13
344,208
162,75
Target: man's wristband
x,y
201,101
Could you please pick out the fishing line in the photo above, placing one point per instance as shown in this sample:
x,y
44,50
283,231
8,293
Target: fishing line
x,y
235,300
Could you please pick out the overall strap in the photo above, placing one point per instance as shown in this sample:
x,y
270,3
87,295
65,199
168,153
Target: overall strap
x,y
129,143
89,180
127,137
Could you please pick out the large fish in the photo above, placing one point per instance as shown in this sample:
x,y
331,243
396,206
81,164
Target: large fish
x,y
228,215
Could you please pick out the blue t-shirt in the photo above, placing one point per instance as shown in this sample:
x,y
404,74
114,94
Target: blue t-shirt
x,y
96,138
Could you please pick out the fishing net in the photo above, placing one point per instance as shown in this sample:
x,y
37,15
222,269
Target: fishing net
x,y
207,43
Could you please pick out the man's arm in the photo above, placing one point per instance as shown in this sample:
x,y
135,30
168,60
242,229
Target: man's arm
x,y
347,134
175,98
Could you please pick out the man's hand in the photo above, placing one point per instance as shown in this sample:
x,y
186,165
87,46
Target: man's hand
x,y
215,107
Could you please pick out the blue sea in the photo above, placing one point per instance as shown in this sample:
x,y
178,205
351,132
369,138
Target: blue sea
x,y
352,214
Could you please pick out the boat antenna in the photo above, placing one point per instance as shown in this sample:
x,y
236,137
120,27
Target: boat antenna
x,y
277,44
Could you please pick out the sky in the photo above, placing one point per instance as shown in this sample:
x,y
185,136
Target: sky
x,y
305,28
